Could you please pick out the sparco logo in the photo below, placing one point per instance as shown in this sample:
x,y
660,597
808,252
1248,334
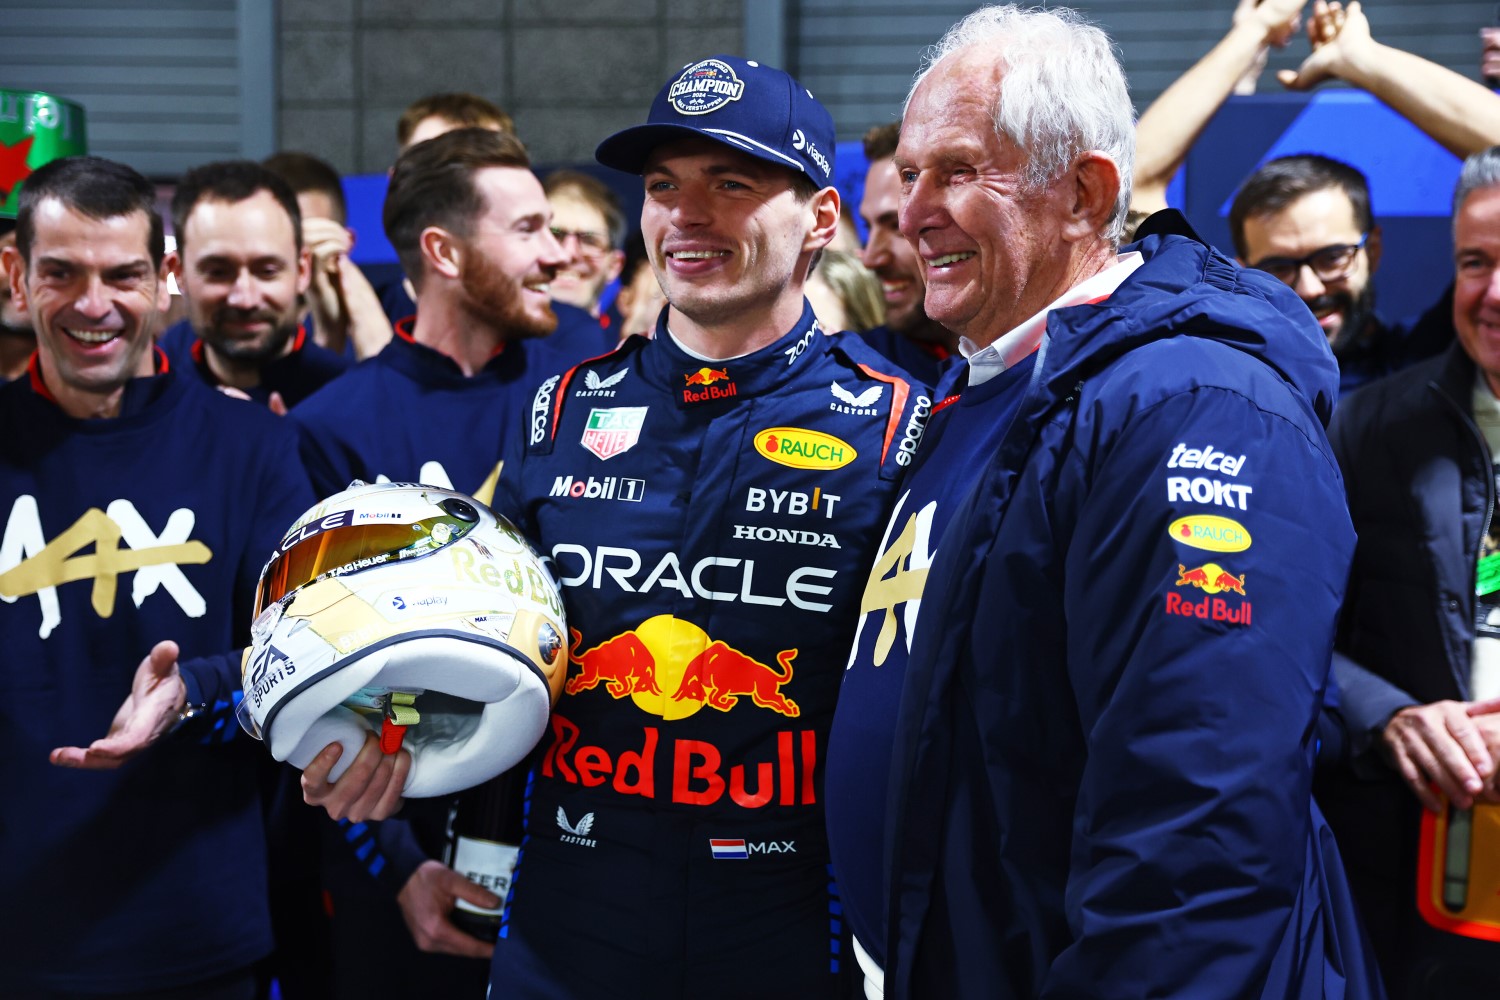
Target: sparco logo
x,y
802,142
914,427
539,407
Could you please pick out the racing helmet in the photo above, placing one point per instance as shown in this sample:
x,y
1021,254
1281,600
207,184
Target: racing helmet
x,y
412,612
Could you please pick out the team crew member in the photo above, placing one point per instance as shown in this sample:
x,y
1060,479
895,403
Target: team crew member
x,y
675,818
469,221
242,267
909,337
140,507
1096,639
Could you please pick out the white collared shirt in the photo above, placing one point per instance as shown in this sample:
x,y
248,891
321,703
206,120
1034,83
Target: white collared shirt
x,y
987,362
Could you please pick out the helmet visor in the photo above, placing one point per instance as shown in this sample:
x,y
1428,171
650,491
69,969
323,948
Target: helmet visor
x,y
318,549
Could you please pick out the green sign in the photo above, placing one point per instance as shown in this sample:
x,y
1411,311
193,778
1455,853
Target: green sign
x,y
35,129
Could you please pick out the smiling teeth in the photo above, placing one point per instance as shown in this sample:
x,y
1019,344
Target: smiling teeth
x,y
696,254
92,336
950,258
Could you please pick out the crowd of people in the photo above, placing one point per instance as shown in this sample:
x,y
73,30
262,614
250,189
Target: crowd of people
x,y
1032,601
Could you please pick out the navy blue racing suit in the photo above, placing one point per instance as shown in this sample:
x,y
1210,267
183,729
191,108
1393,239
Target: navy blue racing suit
x,y
712,524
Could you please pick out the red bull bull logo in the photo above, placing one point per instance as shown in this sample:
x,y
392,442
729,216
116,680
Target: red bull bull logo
x,y
705,379
1211,578
707,376
665,654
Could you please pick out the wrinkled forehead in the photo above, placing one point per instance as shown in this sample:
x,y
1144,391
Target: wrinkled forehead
x,y
62,232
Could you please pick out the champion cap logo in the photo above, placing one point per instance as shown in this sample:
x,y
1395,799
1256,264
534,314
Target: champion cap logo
x,y
705,87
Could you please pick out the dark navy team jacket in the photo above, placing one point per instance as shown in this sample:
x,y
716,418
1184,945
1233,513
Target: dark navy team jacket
x,y
118,534
296,375
1104,754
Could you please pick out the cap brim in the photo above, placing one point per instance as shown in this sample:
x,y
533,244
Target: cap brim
x,y
628,150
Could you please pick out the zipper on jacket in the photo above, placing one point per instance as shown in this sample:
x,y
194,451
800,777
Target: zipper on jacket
x,y
1489,498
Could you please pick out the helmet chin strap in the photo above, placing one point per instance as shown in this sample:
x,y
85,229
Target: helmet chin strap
x,y
399,713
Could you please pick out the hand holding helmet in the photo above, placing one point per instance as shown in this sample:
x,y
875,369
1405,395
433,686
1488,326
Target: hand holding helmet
x,y
413,613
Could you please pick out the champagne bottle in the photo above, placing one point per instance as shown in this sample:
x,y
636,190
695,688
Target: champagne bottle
x,y
484,838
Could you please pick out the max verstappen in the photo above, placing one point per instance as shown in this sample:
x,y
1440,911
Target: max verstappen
x,y
711,499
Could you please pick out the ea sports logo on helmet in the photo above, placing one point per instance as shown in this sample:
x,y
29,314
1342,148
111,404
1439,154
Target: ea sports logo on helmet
x,y
705,87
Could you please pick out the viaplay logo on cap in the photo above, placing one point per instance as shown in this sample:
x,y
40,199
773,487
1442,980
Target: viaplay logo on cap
x,y
705,87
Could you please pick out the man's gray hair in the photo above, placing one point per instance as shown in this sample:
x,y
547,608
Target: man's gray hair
x,y
1063,91
1481,170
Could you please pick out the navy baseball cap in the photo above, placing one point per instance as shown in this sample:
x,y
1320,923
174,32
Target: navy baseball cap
x,y
756,109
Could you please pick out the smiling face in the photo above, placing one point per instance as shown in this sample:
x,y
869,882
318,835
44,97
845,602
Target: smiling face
x,y
510,256
592,262
1316,220
886,252
729,239
993,252
241,274
93,295
1476,288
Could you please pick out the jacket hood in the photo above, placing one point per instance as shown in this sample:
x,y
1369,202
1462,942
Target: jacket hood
x,y
1187,289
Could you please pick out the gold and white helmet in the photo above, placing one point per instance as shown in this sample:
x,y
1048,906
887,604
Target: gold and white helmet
x,y
412,612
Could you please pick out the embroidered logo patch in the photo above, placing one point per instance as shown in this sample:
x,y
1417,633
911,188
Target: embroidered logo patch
x,y
705,87
609,432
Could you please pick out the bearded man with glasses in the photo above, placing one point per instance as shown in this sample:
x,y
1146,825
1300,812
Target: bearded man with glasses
x,y
1307,220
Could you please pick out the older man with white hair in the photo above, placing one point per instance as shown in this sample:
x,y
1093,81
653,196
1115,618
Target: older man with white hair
x,y
1095,643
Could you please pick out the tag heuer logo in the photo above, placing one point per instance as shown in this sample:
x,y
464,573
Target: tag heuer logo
x,y
612,431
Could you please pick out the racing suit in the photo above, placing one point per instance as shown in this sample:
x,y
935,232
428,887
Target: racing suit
x,y
711,523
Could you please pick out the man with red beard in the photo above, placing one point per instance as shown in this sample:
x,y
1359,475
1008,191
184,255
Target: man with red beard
x,y
242,268
909,337
470,223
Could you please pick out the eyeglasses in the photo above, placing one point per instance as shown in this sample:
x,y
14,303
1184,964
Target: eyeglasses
x,y
590,243
1330,263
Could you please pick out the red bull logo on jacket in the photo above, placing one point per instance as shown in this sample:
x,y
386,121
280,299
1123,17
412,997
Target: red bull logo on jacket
x,y
687,772
671,668
1211,578
707,388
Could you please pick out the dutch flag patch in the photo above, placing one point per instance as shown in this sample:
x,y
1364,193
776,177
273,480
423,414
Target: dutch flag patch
x,y
728,850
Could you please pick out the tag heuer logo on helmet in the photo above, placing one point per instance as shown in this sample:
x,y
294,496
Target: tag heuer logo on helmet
x,y
705,87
